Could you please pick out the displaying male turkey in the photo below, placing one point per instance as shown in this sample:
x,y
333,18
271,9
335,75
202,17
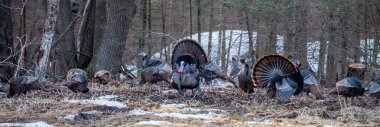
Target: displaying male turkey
x,y
279,75
245,77
311,84
76,80
150,62
187,59
374,90
22,84
103,77
348,87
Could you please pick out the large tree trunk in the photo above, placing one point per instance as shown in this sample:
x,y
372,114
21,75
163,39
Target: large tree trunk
x,y
251,53
63,53
331,51
47,38
85,38
301,34
290,22
199,21
119,17
100,24
6,41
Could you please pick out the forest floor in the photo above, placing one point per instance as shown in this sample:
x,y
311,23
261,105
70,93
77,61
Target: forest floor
x,y
151,105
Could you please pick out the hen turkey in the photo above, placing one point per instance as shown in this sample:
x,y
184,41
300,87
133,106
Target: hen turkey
x,y
150,62
154,70
374,90
348,87
245,77
76,80
311,84
279,75
188,58
22,84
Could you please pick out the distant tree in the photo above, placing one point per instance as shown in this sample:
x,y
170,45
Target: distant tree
x,y
85,37
210,28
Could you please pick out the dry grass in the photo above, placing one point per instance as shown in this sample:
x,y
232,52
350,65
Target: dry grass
x,y
238,109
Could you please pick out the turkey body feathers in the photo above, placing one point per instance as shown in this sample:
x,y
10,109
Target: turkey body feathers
x,y
348,87
245,79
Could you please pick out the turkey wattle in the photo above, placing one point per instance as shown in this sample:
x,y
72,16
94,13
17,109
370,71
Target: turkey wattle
x,y
187,59
348,87
279,75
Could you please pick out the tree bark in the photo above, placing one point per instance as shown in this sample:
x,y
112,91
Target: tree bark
x,y
210,28
301,34
6,40
85,38
100,25
47,38
331,53
119,17
199,21
356,70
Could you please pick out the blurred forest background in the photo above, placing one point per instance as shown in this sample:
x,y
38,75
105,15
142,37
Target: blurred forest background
x,y
103,34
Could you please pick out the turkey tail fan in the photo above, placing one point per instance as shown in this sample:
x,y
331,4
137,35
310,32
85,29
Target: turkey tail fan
x,y
190,51
268,67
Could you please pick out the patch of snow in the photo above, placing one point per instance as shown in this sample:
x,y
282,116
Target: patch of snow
x,y
36,124
92,112
107,97
172,105
152,122
100,102
139,112
70,117
193,110
210,115
328,126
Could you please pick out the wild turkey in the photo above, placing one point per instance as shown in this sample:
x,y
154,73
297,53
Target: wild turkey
x,y
103,77
150,62
279,75
348,87
156,74
245,77
374,90
311,84
187,59
76,80
22,84
233,74
211,71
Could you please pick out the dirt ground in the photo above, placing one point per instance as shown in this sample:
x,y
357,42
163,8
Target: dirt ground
x,y
156,104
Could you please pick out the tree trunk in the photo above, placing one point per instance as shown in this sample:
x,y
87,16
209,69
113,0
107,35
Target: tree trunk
x,y
199,21
290,22
6,40
63,53
143,15
163,39
119,17
191,19
223,46
331,51
47,38
356,70
33,35
210,28
85,37
301,34
100,25
251,53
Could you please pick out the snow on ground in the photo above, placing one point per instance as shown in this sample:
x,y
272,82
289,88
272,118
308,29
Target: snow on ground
x,y
36,124
152,122
172,105
102,100
205,116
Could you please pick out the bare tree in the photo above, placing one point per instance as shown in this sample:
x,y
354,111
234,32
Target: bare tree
x,y
210,28
47,38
